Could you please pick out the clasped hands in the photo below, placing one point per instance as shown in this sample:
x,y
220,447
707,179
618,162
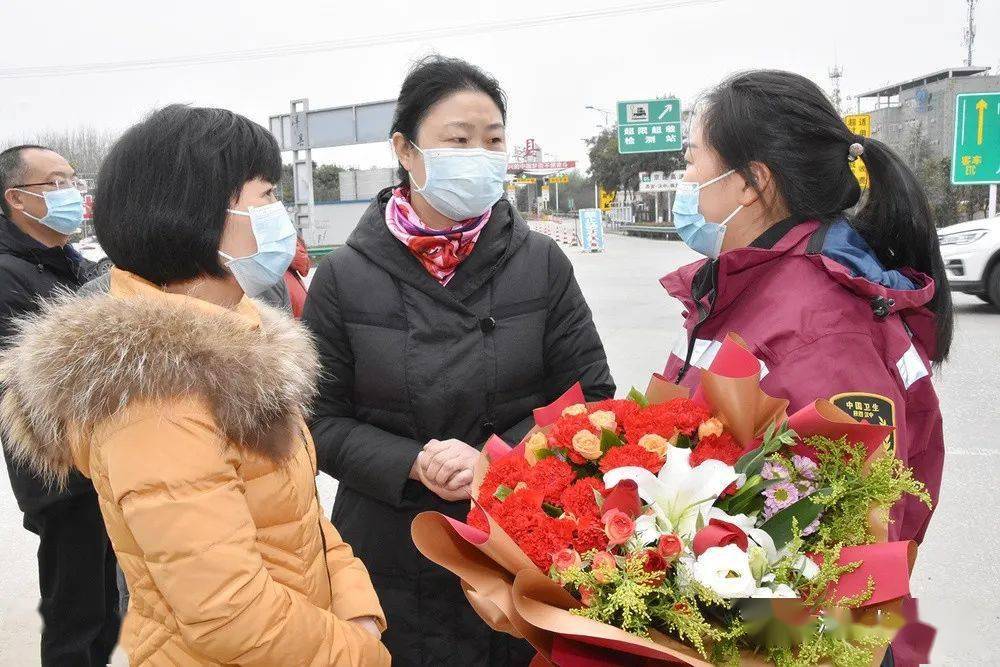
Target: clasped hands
x,y
445,467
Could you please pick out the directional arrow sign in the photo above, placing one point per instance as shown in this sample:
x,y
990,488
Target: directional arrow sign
x,y
981,108
976,158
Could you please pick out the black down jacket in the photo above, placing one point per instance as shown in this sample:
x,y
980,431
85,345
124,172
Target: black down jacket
x,y
30,271
406,360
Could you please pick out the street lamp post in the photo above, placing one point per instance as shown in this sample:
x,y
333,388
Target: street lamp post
x,y
607,122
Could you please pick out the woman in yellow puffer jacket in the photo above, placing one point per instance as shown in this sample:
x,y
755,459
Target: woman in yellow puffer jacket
x,y
183,401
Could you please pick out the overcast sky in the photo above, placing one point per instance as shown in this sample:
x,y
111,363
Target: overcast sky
x,y
551,72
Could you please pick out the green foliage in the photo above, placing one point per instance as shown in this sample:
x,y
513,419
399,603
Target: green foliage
x,y
609,439
775,438
856,485
615,171
638,398
783,526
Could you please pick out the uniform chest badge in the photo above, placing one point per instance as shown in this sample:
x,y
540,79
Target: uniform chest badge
x,y
869,408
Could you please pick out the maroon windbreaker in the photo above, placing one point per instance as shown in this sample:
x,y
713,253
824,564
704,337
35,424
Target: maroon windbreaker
x,y
843,329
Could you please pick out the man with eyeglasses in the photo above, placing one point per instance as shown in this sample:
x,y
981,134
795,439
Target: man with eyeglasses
x,y
41,206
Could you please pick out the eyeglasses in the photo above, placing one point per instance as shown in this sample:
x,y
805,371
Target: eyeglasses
x,y
60,183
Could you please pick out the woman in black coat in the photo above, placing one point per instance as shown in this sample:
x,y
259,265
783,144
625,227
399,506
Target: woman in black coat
x,y
443,320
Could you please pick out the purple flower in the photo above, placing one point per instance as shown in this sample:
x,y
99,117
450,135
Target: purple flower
x,y
780,496
774,471
805,487
805,466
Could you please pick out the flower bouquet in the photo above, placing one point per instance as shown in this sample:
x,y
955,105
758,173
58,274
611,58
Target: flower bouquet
x,y
711,529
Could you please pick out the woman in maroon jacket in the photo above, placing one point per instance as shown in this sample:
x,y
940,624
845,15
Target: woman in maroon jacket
x,y
852,308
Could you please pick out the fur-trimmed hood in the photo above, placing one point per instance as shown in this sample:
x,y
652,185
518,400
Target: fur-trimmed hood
x,y
81,359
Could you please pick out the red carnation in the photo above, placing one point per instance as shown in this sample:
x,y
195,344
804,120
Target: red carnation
x,y
508,471
477,519
680,414
686,415
590,535
578,499
538,534
550,476
566,427
630,455
719,447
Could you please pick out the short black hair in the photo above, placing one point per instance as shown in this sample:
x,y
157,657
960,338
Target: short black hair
x,y
429,81
166,184
13,170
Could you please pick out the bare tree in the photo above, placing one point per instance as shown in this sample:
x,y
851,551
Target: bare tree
x,y
84,147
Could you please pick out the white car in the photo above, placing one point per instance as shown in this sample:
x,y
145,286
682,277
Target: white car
x,y
971,252
90,249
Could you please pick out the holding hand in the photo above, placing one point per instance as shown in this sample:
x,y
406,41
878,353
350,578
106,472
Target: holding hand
x,y
445,467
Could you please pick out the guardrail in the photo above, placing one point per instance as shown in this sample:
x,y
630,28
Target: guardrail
x,y
650,231
563,231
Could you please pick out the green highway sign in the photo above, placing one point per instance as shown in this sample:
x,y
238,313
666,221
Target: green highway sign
x,y
649,126
976,159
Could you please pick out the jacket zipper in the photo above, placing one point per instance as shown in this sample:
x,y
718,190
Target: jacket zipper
x,y
703,316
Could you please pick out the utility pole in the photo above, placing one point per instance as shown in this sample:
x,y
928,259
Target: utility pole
x,y
835,73
970,32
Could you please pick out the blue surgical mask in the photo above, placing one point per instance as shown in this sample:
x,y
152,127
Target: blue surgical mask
x,y
64,209
275,236
700,234
462,183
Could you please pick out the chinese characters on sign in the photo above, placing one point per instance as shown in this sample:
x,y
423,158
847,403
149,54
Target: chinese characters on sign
x,y
860,124
649,126
976,158
531,166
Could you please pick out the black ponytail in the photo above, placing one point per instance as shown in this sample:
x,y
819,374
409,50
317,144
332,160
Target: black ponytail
x,y
896,221
785,121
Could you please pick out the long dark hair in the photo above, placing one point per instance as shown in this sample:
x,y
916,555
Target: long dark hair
x,y
785,121
431,80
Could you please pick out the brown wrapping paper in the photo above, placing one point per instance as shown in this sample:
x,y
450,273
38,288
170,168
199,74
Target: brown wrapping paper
x,y
513,596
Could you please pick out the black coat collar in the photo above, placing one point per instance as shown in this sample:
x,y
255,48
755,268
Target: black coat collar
x,y
502,236
64,261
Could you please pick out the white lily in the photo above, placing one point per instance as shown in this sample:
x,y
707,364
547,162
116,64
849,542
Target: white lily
x,y
681,496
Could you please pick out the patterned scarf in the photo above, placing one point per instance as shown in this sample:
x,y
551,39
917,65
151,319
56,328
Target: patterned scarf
x,y
439,251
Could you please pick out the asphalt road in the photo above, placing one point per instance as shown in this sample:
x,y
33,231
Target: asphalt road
x,y
957,579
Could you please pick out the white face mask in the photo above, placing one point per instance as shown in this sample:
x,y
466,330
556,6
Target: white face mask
x,y
462,183
275,236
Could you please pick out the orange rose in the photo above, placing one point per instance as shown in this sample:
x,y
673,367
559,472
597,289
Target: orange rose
x,y
604,419
656,444
575,409
586,596
587,445
534,445
711,427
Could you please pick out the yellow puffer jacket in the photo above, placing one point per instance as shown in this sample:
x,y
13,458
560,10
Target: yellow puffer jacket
x,y
189,420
